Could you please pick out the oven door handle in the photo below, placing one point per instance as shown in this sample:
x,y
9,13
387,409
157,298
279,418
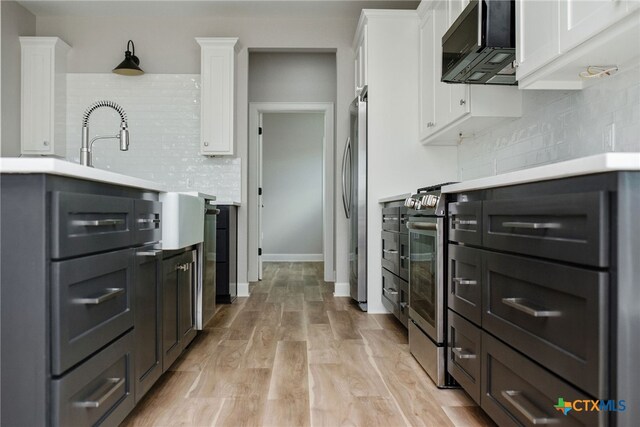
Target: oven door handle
x,y
422,226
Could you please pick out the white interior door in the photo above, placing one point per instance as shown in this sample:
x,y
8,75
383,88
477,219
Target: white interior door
x,y
260,192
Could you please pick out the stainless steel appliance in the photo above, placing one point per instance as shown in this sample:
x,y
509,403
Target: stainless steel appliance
x,y
480,46
427,243
206,290
354,197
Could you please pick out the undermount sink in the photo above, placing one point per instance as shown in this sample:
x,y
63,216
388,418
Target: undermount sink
x,y
182,220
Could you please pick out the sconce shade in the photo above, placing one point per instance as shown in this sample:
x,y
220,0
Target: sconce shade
x,y
130,65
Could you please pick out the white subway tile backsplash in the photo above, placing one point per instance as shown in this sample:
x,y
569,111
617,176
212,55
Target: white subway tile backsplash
x,y
163,112
557,126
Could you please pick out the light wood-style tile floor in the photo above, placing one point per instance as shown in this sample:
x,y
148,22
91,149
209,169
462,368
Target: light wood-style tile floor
x,y
292,354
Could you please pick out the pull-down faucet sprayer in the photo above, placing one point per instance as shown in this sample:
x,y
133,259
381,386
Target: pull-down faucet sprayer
x,y
123,136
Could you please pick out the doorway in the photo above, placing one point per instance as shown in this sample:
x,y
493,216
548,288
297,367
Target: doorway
x,y
293,179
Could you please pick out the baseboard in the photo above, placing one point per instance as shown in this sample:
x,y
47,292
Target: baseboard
x,y
292,258
243,289
341,289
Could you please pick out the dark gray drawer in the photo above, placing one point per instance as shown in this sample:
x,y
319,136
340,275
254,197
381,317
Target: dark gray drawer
x,y
465,222
565,227
91,304
553,313
395,296
391,251
147,224
465,282
391,219
464,363
403,257
87,223
98,392
516,391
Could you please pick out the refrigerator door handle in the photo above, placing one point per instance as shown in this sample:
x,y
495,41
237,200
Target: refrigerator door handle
x,y
345,201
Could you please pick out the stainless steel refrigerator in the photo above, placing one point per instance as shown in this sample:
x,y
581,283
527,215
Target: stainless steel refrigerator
x,y
354,197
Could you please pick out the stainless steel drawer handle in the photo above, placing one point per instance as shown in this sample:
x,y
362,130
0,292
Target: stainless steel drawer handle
x,y
390,291
390,251
422,226
404,305
464,222
519,401
389,218
149,253
183,267
532,225
148,221
521,305
97,222
461,281
462,354
104,392
110,294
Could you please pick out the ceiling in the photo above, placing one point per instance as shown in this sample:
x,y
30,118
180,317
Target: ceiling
x,y
189,8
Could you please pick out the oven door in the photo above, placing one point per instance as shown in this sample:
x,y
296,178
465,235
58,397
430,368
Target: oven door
x,y
426,279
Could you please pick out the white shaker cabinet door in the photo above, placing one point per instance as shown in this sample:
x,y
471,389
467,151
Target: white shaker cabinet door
x,y
217,95
537,39
582,19
427,75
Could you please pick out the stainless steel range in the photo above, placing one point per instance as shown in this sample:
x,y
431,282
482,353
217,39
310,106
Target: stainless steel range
x,y
427,294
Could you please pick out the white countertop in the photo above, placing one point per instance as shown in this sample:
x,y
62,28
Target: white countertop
x,y
394,198
199,194
600,163
51,166
226,203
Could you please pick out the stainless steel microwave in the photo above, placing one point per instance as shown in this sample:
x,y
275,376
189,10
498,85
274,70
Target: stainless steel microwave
x,y
480,46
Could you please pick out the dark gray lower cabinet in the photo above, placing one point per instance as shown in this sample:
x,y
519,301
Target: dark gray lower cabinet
x,y
227,254
178,305
148,319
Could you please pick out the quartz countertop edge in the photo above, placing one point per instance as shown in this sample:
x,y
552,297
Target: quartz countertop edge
x,y
50,166
207,196
599,163
397,198
226,203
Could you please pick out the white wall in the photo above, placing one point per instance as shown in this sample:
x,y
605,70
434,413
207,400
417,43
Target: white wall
x,y
559,125
165,44
163,112
16,22
292,186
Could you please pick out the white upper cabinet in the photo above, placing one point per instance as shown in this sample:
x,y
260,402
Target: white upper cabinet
x,y
537,40
574,35
217,73
427,75
449,112
43,90
360,60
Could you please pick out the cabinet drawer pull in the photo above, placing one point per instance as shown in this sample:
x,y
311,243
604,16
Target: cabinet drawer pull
x,y
148,221
422,226
389,218
512,397
462,354
97,222
110,294
390,291
521,305
111,385
149,253
532,225
461,281
404,258
403,305
390,251
464,222
183,267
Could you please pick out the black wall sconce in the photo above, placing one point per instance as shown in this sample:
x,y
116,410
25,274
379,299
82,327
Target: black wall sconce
x,y
129,67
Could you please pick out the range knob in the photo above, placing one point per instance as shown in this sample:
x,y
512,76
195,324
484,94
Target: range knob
x,y
433,201
410,202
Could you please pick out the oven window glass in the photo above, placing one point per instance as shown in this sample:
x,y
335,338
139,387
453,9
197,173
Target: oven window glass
x,y
423,274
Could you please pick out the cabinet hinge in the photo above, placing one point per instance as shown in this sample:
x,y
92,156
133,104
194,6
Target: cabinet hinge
x,y
260,130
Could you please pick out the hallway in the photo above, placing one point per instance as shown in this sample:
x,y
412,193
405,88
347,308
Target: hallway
x,y
293,355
